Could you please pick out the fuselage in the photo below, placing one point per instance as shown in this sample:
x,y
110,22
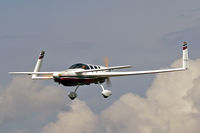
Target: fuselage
x,y
70,78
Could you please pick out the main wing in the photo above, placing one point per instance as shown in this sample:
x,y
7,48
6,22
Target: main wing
x,y
115,74
40,75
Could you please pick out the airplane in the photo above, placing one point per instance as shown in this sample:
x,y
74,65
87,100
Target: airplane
x,y
86,74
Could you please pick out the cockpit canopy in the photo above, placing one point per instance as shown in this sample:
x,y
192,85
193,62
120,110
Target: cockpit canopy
x,y
79,65
84,66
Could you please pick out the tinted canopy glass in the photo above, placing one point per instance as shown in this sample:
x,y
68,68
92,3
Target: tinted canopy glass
x,y
79,65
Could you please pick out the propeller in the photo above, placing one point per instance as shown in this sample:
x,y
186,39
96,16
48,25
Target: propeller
x,y
106,62
108,82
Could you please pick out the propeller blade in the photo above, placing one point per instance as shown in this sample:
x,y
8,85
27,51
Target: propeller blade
x,y
106,61
108,82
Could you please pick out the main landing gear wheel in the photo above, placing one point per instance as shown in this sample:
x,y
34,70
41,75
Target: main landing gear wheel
x,y
105,93
72,94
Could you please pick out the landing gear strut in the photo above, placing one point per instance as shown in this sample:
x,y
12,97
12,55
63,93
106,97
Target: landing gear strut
x,y
72,94
105,93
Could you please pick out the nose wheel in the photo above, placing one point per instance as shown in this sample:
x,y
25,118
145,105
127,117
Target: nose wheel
x,y
72,94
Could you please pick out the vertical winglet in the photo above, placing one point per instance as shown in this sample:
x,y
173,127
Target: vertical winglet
x,y
185,56
38,64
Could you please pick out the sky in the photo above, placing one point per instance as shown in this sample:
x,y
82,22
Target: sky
x,y
141,33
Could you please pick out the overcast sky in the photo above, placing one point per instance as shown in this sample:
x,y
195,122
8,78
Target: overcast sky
x,y
141,33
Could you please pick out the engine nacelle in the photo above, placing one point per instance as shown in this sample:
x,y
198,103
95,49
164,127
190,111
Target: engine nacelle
x,y
106,93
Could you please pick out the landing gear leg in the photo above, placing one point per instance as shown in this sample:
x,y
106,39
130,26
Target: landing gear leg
x,y
105,93
72,94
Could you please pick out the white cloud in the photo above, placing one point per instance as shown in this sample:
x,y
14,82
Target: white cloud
x,y
22,98
168,108
80,119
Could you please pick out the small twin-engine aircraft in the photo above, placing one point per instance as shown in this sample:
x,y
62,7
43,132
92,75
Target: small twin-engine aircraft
x,y
86,74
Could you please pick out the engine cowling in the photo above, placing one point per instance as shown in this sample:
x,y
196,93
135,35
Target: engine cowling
x,y
106,93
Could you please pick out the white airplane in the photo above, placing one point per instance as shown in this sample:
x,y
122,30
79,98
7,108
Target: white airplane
x,y
86,74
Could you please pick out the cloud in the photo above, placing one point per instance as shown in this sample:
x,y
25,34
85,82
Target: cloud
x,y
24,99
80,119
26,106
171,105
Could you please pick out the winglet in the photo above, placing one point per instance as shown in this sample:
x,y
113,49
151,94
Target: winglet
x,y
38,65
185,56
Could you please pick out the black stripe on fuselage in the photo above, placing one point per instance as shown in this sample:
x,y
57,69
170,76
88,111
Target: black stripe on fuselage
x,y
78,80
